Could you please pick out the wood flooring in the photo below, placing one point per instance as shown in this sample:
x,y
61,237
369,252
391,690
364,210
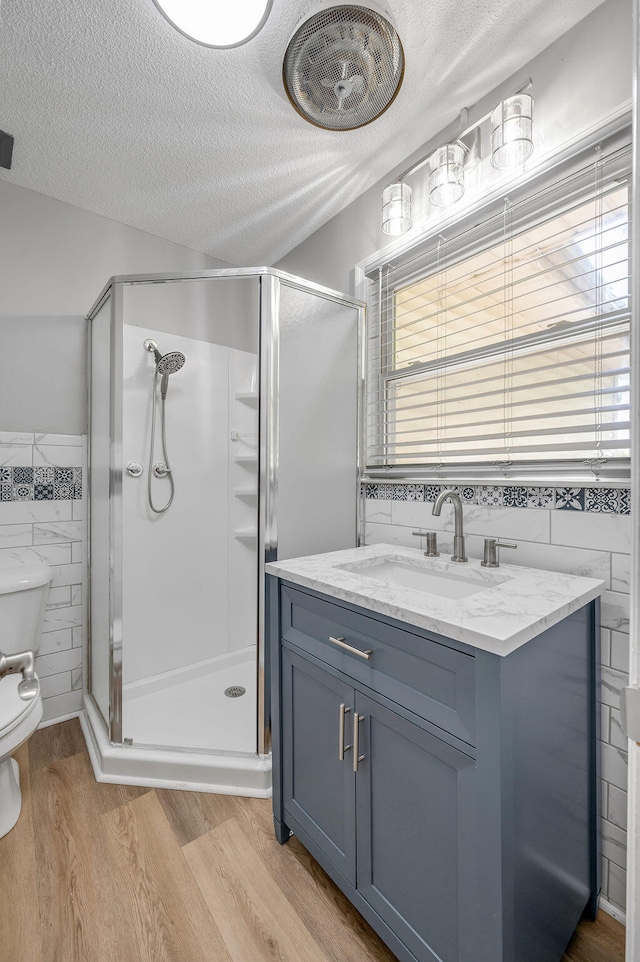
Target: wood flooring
x,y
104,873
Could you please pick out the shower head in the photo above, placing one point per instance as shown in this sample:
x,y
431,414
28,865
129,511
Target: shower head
x,y
167,364
170,363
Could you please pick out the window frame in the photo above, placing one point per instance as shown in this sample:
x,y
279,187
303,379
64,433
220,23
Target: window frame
x,y
477,230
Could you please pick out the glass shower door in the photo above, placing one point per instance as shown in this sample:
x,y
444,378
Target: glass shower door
x,y
189,567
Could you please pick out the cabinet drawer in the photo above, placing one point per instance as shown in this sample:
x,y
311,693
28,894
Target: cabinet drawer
x,y
426,677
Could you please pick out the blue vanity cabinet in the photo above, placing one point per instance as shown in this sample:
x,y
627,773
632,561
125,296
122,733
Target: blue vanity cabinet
x,y
318,787
407,778
415,820
466,831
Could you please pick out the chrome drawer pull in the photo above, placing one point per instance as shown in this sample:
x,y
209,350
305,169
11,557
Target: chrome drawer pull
x,y
354,651
342,748
357,758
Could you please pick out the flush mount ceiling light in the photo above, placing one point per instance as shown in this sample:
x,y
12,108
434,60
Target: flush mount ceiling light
x,y
216,23
512,131
343,66
396,208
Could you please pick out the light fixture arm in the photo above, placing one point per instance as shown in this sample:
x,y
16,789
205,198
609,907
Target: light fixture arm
x,y
465,128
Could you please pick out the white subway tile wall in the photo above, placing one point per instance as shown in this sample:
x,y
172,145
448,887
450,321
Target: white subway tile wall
x,y
560,530
41,519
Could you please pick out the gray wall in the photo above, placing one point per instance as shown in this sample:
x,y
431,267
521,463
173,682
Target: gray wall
x,y
54,261
222,311
581,79
43,384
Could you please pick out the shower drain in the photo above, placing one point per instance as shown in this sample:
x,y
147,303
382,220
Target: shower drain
x,y
234,691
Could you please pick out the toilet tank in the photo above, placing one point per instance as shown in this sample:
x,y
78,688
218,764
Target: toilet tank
x,y
23,598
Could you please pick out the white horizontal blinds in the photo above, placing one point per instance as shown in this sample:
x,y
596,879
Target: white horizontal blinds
x,y
558,424
515,350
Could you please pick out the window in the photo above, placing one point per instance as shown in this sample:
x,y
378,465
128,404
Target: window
x,y
503,347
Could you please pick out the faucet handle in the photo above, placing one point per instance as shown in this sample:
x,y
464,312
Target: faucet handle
x,y
432,543
491,546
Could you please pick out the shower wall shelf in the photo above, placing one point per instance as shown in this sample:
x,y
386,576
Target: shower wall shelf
x,y
245,534
250,494
247,397
247,459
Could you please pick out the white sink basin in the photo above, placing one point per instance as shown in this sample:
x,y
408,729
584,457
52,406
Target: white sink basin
x,y
435,578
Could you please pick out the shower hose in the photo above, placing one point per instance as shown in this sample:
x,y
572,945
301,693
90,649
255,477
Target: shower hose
x,y
164,449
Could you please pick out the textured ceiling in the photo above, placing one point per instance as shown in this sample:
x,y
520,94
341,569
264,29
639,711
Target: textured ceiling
x,y
117,113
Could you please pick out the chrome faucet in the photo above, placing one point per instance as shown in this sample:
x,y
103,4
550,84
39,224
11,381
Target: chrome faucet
x,y
458,539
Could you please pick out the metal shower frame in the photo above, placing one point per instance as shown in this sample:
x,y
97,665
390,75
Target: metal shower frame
x,y
270,282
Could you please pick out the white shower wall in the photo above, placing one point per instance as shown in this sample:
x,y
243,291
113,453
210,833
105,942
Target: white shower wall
x,y
180,568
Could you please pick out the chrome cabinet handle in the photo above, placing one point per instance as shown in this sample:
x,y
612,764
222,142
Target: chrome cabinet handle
x,y
354,651
342,748
357,758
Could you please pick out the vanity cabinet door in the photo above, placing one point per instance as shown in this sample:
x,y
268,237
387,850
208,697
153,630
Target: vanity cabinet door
x,y
415,814
318,787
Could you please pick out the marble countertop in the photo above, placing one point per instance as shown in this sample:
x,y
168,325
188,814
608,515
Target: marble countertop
x,y
518,603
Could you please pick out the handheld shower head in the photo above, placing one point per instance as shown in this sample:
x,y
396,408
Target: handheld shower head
x,y
170,363
165,364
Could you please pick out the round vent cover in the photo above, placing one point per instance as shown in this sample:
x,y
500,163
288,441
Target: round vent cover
x,y
343,67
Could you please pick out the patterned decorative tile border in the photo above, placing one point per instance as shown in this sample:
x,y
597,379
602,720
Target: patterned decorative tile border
x,y
40,484
600,500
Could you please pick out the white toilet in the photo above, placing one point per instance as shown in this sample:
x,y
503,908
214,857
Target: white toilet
x,y
23,598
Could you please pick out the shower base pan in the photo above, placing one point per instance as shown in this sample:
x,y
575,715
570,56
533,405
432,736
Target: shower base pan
x,y
160,710
219,773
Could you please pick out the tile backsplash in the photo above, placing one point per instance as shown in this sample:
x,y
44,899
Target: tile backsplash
x,y
599,500
42,519
582,531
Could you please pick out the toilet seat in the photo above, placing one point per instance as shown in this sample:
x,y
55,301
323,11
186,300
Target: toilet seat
x,y
18,718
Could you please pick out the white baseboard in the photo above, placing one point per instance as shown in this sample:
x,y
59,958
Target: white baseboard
x,y
62,718
613,910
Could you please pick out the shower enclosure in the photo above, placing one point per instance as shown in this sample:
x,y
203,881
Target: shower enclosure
x,y
224,432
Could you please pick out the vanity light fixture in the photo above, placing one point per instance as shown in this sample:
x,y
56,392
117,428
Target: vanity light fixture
x,y
446,175
396,208
216,23
511,144
512,131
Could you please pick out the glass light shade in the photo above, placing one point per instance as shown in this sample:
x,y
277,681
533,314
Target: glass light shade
x,y
216,23
512,131
446,175
396,208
